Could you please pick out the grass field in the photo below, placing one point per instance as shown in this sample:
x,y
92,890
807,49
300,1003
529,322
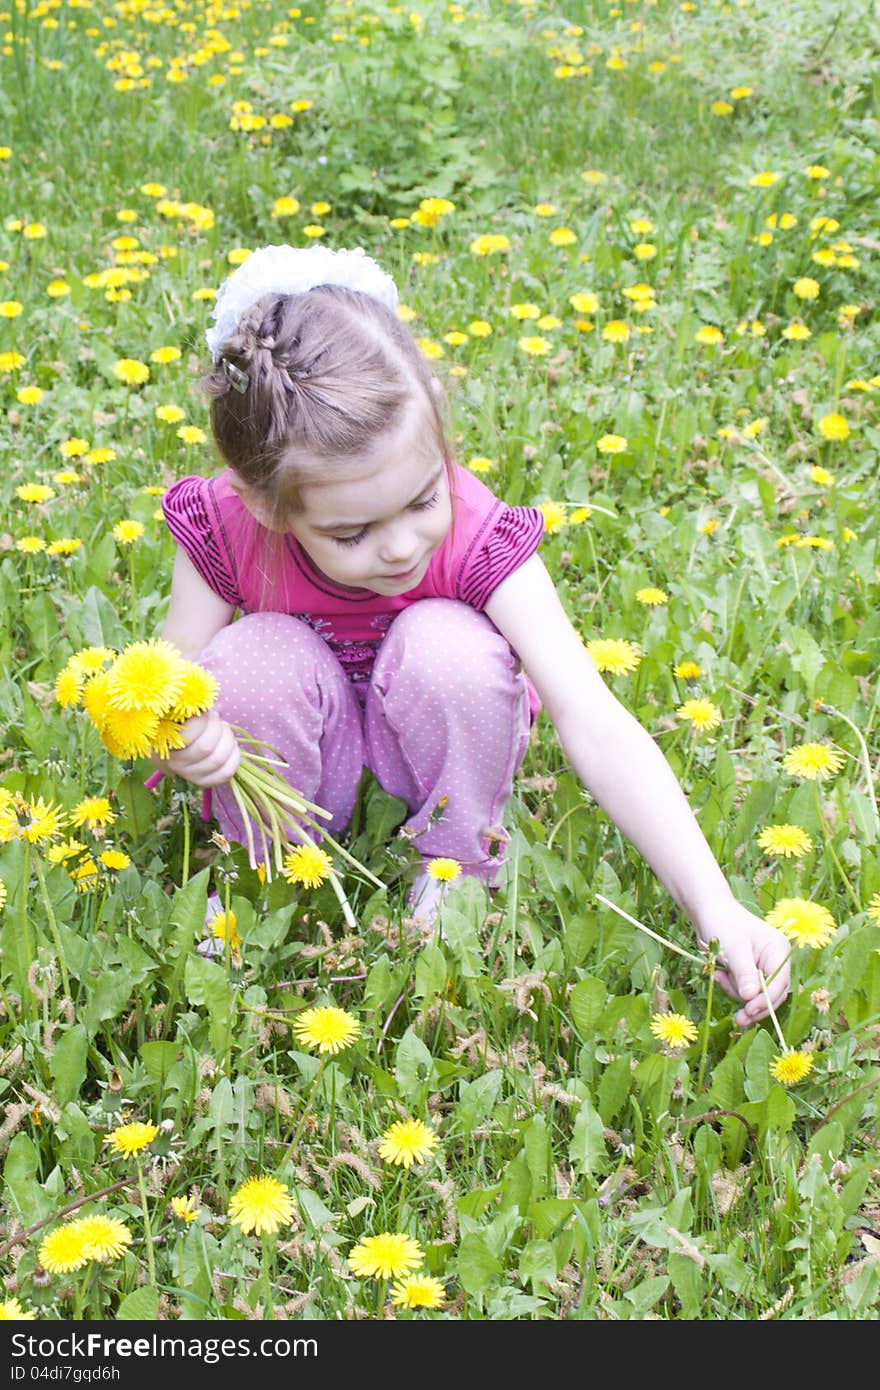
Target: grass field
x,y
650,295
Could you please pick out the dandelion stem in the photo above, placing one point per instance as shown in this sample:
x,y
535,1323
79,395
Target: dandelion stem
x,y
148,1235
826,833
28,1000
184,873
53,926
866,762
772,1012
679,950
313,1090
704,1043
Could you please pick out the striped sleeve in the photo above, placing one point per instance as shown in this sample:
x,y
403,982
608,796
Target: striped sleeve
x,y
510,536
196,523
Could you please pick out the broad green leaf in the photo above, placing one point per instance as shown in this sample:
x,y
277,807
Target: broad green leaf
x,y
587,1148
614,1088
586,1004
68,1062
140,1306
476,1264
158,1058
537,1263
206,984
687,1281
413,1067
477,1100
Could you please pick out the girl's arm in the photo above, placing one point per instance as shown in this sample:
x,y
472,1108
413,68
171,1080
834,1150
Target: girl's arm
x,y
195,612
621,766
195,615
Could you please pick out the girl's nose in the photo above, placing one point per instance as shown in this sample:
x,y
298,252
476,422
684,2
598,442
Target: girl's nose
x,y
398,547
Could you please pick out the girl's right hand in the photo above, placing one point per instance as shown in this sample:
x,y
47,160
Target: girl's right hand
x,y
211,755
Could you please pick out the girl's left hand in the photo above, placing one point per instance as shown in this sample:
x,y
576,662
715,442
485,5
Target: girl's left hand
x,y
746,945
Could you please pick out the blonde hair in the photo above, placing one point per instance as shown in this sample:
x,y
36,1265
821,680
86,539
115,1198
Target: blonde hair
x,y
325,374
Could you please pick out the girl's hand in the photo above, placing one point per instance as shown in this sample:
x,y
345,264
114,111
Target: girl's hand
x,y
746,945
211,755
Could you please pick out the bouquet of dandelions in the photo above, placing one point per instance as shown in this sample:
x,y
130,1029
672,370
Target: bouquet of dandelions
x,y
139,699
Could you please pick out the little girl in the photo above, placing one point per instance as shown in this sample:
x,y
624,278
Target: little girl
x,y
395,613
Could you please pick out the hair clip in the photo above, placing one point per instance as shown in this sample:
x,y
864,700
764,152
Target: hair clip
x,y
236,377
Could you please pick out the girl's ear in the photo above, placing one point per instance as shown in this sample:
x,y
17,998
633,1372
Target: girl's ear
x,y
258,507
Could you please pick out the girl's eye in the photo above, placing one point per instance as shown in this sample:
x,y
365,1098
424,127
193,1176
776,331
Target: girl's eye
x,y
423,506
351,540
416,507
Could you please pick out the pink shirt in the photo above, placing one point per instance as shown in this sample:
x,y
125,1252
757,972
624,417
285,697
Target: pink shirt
x,y
255,570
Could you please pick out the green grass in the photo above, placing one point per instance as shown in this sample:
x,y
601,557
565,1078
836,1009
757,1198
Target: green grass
x,y
581,1171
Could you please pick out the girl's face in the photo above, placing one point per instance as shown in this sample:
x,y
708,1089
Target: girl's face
x,y
377,524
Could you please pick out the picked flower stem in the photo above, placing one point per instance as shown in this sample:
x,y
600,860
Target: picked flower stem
x,y
664,941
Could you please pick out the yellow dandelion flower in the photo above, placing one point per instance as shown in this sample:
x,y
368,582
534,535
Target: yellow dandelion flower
x,y
126,733
821,476
63,1250
30,545
612,444
104,1237
326,1028
37,822
812,760
191,434
130,371
29,395
687,670
675,1030
261,1205
10,308
12,1311
479,328
796,332
94,810
163,355
146,676
525,311
817,171
34,492
701,714
709,335
764,179
802,921
407,1142
443,870
806,288
169,414
488,244
791,1067
185,1209
833,427
616,331
874,909
131,1138
785,841
584,302
197,692
721,108
114,859
127,531
652,597
615,655
562,236
386,1256
555,516
307,864
418,1291
535,346
479,464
